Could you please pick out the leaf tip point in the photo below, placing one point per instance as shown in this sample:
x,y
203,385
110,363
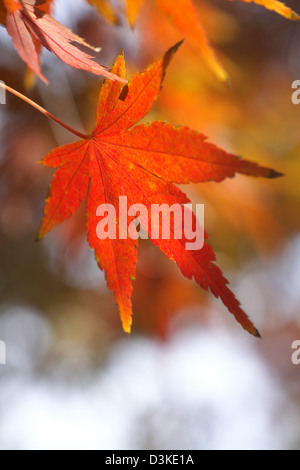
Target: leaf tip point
x,y
127,329
39,237
274,174
294,16
257,334
176,46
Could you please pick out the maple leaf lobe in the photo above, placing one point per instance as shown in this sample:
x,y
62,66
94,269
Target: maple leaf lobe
x,y
257,334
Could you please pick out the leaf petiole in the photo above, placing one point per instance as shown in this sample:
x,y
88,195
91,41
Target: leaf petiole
x,y
43,111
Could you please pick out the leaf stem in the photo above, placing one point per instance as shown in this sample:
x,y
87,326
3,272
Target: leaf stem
x,y
44,111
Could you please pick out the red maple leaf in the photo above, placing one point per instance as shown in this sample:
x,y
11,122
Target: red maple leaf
x,y
141,162
30,27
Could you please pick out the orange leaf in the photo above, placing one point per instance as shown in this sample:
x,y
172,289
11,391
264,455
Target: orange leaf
x,y
30,25
142,163
184,16
133,9
30,76
106,9
277,6
11,6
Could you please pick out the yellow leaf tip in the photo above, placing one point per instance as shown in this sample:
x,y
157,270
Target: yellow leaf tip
x,y
294,16
39,237
127,328
256,333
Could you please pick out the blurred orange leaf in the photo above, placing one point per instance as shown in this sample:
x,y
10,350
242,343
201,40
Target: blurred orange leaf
x,y
106,9
185,18
277,6
133,9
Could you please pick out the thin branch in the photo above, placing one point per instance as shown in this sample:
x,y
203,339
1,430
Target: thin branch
x,y
44,111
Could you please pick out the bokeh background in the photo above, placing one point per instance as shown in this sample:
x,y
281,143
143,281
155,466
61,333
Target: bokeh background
x,y
188,377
